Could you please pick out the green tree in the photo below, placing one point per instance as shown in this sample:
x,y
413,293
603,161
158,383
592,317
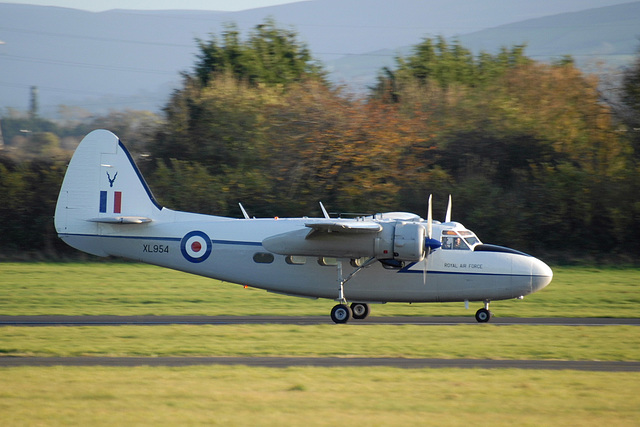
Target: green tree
x,y
218,118
438,62
630,112
29,193
528,149
220,125
270,55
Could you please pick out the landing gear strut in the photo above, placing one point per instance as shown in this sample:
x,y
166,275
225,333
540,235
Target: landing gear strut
x,y
484,315
341,313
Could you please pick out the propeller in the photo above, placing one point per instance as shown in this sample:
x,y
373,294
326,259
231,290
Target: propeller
x,y
447,217
430,243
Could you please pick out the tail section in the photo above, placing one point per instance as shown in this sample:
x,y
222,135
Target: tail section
x,y
102,185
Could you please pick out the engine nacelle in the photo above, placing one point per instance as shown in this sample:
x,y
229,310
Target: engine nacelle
x,y
398,240
408,241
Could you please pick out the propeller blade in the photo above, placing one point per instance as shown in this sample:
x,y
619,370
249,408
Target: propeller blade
x,y
424,266
427,247
429,242
447,217
430,219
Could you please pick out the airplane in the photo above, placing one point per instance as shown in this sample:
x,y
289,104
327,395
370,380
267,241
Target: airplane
x,y
106,208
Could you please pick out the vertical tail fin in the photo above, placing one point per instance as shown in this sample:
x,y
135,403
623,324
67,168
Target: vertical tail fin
x,y
102,185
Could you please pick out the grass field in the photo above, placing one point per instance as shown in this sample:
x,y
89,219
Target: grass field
x,y
136,289
409,341
240,396
237,395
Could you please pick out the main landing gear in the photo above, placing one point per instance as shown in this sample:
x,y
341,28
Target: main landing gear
x,y
484,315
341,313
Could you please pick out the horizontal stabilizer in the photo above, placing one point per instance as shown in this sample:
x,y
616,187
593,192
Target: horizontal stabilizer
x,y
121,220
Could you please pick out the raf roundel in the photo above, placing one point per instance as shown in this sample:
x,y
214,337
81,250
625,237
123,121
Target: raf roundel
x,y
195,246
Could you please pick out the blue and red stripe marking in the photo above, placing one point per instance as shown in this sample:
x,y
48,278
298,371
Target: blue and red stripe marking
x,y
117,201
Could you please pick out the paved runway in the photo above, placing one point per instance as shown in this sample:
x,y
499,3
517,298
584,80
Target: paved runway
x,y
326,362
298,320
283,362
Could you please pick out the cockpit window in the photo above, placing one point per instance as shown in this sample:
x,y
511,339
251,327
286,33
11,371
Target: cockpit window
x,y
454,243
459,240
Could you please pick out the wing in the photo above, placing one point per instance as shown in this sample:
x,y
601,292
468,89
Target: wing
x,y
330,238
354,227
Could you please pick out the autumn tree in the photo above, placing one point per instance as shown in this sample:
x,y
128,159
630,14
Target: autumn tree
x,y
352,155
217,119
514,136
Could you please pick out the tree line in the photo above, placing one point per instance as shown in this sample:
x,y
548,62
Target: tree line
x,y
532,154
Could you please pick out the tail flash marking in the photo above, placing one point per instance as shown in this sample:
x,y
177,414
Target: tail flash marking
x,y
117,202
103,202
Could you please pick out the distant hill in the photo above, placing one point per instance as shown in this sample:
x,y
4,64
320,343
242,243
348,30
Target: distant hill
x,y
132,59
610,34
600,40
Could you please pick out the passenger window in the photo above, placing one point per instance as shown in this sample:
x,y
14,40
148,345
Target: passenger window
x,y
358,262
263,258
325,261
295,260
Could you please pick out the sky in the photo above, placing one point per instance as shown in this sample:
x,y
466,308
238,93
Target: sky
x,y
102,5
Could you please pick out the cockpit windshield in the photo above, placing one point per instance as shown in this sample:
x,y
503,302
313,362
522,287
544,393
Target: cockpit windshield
x,y
459,240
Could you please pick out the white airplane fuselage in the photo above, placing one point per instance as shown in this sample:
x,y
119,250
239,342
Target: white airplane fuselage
x,y
446,275
309,257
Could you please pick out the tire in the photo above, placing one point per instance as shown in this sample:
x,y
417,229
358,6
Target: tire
x,y
340,313
360,310
483,315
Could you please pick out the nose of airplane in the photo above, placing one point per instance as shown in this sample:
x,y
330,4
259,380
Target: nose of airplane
x,y
541,275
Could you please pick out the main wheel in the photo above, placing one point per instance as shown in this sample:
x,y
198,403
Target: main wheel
x,y
341,313
360,310
483,315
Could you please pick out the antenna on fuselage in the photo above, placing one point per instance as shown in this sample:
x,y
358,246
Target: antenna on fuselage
x,y
324,211
447,217
244,212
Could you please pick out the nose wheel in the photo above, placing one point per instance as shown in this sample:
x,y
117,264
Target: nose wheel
x,y
484,315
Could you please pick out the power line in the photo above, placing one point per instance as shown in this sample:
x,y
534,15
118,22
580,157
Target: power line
x,y
84,65
94,38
